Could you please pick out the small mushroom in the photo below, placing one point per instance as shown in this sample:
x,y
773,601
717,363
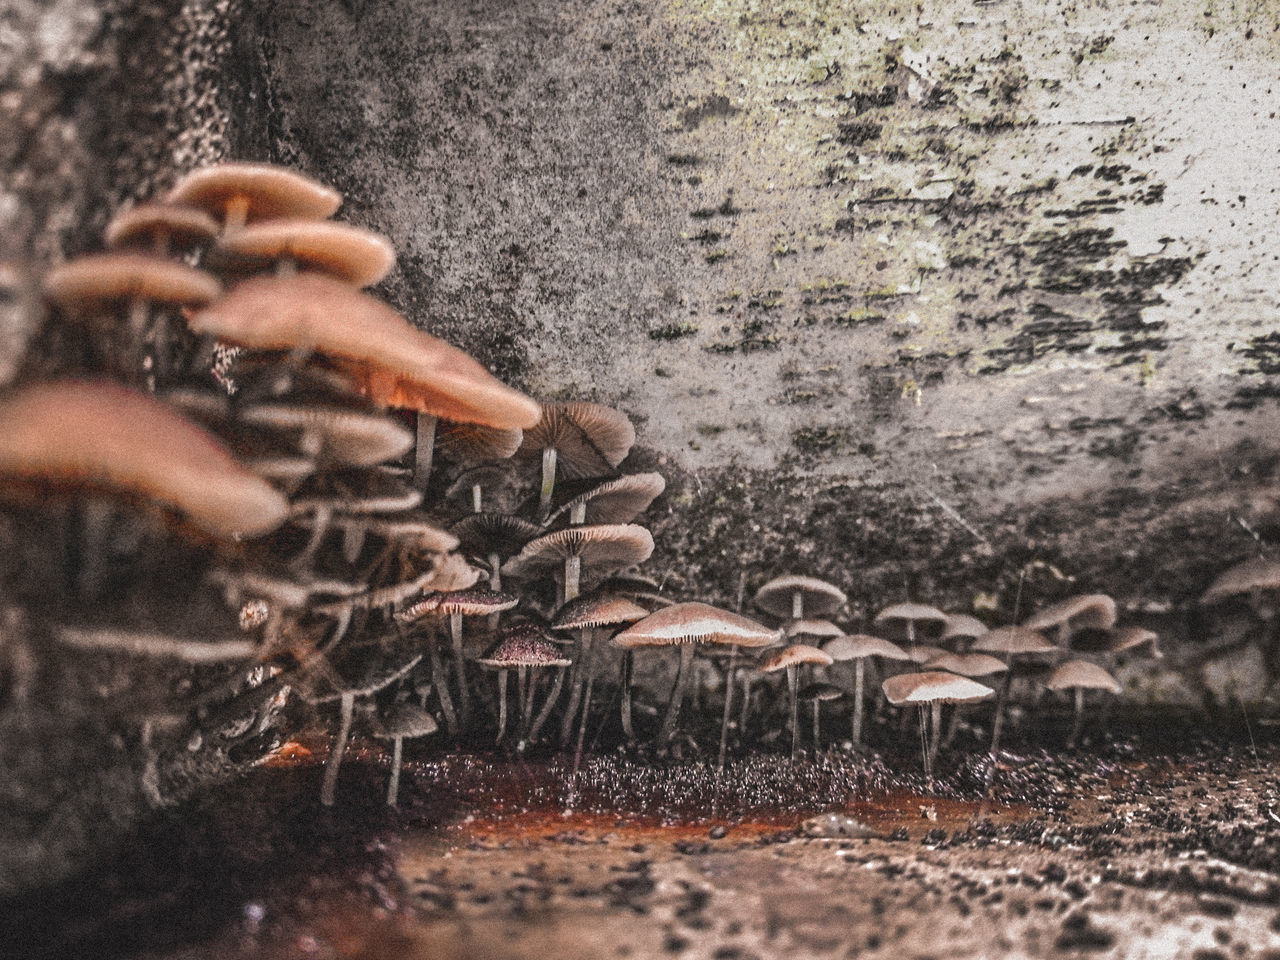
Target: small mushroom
x,y
817,694
795,597
962,627
1079,676
579,440
156,227
241,192
908,615
789,659
1012,643
858,647
1093,610
493,538
606,547
340,250
612,500
470,486
811,630
403,721
523,646
932,688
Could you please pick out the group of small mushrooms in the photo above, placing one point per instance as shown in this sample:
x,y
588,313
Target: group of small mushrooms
x,y
346,481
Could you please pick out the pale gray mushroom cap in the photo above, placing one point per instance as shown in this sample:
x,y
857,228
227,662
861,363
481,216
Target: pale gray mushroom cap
x,y
856,646
923,652
818,629
1014,642
967,664
348,436
963,626
475,442
911,612
819,597
1258,573
794,656
694,623
405,721
932,687
1081,674
1094,610
602,547
616,500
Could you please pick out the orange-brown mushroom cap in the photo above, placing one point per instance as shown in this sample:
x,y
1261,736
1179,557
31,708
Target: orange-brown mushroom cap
x,y
351,254
794,656
268,191
694,623
103,278
105,435
396,364
933,686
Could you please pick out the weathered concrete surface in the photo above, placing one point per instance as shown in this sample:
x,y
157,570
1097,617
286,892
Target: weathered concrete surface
x,y
939,300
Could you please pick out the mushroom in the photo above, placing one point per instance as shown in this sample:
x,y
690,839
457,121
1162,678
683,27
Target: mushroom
x,y
683,625
608,547
88,286
457,604
817,694
1118,640
585,614
789,659
155,227
858,647
240,192
493,537
1079,676
1011,642
1093,610
794,597
811,630
350,254
338,434
101,435
579,439
403,721
971,665
962,626
908,615
470,485
524,646
934,688
613,500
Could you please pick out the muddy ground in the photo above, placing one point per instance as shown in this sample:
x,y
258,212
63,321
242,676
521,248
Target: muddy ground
x,y
1154,841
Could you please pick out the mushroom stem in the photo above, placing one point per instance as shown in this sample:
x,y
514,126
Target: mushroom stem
x,y
353,536
477,498
548,478
440,680
135,339
817,730
524,694
495,572
792,683
581,673
1078,722
464,693
936,738
627,729
502,706
329,789
797,606
578,514
572,576
236,213
728,701
582,724
859,675
96,514
322,518
545,712
746,704
668,728
998,722
393,788
924,747
426,445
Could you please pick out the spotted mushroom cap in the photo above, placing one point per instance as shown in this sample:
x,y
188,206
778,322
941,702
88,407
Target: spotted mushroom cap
x,y
271,191
855,646
1084,610
967,664
104,435
340,250
597,610
933,686
395,364
604,547
1258,573
820,597
469,603
795,655
694,623
1081,674
523,645
589,439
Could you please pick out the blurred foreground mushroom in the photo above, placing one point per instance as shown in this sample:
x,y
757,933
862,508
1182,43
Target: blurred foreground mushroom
x,y
241,192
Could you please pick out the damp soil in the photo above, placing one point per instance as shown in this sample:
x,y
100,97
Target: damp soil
x,y
1160,838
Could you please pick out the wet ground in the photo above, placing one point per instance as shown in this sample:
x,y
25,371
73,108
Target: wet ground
x,y
1158,841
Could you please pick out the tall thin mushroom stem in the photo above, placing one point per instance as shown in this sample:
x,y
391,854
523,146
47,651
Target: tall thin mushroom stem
x,y
572,577
668,728
924,745
424,449
728,700
817,729
582,724
547,707
548,478
440,680
792,683
502,706
459,659
936,738
393,788
329,789
627,729
582,665
797,606
998,722
859,676
1078,722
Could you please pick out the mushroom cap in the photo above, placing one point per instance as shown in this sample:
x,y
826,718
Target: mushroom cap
x,y
484,533
405,721
795,655
395,364
820,597
967,664
469,603
347,436
523,645
92,281
821,629
597,610
607,547
1257,573
106,435
1117,640
923,652
855,646
615,500
963,626
348,253
1014,642
933,686
474,442
271,191
819,692
1083,610
694,623
1081,674
912,612
145,222
590,439
496,480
